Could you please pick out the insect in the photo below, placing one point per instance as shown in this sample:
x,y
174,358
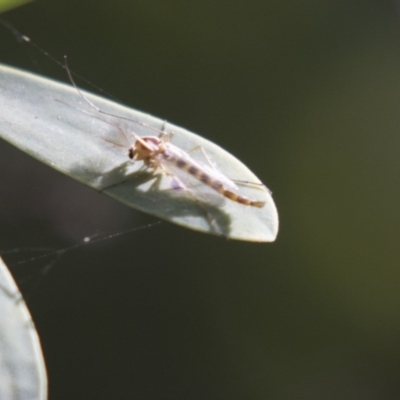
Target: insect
x,y
160,155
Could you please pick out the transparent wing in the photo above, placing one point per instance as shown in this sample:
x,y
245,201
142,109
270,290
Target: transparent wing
x,y
183,181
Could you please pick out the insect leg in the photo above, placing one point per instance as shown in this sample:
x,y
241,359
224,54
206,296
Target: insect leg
x,y
164,135
205,155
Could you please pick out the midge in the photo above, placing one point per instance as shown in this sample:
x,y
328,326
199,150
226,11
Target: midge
x,y
159,154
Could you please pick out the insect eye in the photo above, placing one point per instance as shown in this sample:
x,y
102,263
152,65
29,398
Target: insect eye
x,y
131,153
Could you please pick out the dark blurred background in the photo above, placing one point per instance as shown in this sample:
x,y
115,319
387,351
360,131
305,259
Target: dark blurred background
x,y
307,94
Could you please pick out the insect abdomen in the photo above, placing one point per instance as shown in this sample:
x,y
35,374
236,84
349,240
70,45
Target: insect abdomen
x,y
213,183
242,199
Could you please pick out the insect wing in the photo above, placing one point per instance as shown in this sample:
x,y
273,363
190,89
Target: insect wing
x,y
182,180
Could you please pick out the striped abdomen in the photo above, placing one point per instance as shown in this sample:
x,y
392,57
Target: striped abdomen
x,y
207,179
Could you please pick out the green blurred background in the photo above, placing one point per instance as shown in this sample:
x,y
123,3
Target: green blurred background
x,y
307,94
